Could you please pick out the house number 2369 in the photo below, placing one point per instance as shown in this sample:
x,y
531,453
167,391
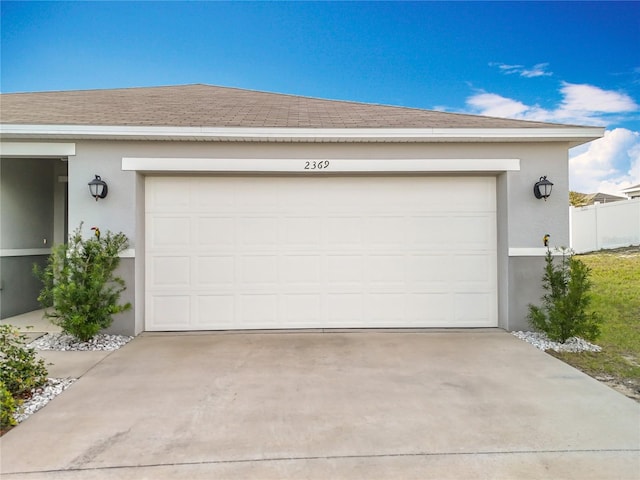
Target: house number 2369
x,y
316,165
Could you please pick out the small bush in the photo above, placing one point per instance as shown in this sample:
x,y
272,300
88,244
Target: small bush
x,y
80,285
20,370
8,408
564,307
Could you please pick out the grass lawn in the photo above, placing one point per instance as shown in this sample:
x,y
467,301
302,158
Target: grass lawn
x,y
616,296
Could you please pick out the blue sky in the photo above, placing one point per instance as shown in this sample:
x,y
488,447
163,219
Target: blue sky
x,y
573,62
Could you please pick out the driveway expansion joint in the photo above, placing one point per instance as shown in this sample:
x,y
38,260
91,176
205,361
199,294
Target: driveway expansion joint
x,y
330,457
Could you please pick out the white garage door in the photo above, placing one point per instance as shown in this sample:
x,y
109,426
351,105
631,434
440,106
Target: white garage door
x,y
250,252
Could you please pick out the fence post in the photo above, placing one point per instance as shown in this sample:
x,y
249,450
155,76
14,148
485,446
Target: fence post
x,y
596,211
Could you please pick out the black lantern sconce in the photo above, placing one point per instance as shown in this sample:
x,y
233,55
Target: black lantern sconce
x,y
98,188
542,188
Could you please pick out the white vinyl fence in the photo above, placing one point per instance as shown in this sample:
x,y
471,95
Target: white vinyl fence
x,y
605,225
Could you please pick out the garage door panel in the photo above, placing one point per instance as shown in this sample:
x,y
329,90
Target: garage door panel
x,y
431,232
472,268
169,232
457,195
473,231
471,194
224,199
313,252
447,232
300,231
385,269
345,269
434,268
429,309
167,194
170,311
170,271
215,270
300,197
341,192
343,232
215,232
385,231
386,309
344,309
258,231
215,309
259,269
298,269
258,311
301,310
269,197
473,309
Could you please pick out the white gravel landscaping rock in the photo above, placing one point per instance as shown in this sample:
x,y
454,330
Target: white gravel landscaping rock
x,y
541,341
63,342
41,396
55,386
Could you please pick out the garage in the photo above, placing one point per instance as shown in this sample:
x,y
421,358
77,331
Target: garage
x,y
226,252
259,210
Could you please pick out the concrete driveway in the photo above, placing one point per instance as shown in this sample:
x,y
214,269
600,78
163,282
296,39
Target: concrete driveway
x,y
454,404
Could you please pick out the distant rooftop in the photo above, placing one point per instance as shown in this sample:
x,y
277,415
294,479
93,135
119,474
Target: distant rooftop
x,y
602,198
632,192
632,188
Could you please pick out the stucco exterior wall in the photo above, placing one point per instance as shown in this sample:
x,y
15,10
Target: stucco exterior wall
x,y
26,207
123,323
20,288
29,198
522,219
525,287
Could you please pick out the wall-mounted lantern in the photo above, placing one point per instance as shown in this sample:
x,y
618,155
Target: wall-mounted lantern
x,y
98,188
542,188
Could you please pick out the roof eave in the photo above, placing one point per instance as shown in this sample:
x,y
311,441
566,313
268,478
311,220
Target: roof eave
x,y
574,135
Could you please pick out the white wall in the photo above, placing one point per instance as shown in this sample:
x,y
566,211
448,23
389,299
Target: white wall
x,y
605,225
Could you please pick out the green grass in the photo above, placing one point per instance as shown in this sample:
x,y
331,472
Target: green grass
x,y
616,297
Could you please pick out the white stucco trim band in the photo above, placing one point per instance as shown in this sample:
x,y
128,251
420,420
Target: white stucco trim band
x,y
24,252
29,252
574,135
318,166
37,149
531,252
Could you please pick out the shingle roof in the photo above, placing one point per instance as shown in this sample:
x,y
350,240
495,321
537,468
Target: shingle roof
x,y
212,106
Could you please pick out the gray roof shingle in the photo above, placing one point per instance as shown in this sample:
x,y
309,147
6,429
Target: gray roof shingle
x,y
212,106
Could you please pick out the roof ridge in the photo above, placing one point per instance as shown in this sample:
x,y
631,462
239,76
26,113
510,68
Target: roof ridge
x,y
104,89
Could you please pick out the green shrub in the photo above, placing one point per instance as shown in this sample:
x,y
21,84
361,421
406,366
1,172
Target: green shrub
x,y
80,285
564,307
20,370
8,407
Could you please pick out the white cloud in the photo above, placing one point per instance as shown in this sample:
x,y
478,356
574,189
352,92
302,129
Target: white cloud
x,y
609,164
589,99
495,105
581,104
538,70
